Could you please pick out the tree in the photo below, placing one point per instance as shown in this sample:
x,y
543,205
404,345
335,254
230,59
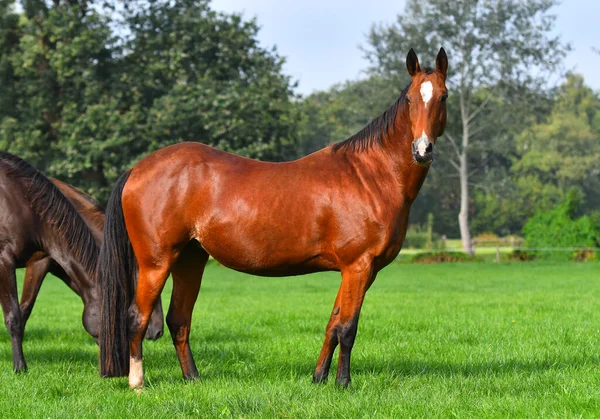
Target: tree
x,y
563,152
202,76
62,64
341,111
501,53
84,95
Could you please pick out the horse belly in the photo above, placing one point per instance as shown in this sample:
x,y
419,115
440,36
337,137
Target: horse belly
x,y
266,250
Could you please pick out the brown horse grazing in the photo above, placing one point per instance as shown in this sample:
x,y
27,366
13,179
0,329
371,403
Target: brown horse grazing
x,y
35,216
41,263
342,208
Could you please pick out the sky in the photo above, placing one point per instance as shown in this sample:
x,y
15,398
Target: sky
x,y
320,39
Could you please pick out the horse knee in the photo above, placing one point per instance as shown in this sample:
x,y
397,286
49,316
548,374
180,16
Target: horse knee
x,y
13,322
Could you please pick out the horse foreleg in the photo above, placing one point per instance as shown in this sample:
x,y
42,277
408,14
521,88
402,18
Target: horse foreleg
x,y
356,280
150,284
9,300
343,323
36,270
187,278
331,341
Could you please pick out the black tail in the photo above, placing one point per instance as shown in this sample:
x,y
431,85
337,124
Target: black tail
x,y
116,269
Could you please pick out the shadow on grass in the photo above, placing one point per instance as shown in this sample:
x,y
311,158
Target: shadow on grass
x,y
410,368
50,334
243,366
227,354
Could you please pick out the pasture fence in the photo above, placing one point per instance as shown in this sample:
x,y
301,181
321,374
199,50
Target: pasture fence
x,y
497,246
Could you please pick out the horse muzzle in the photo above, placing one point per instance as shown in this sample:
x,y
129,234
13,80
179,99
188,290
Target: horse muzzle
x,y
422,150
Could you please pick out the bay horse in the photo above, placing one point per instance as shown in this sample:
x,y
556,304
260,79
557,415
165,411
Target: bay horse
x,y
41,263
343,208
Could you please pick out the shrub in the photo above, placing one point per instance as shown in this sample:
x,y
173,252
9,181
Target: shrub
x,y
519,256
443,257
557,228
418,237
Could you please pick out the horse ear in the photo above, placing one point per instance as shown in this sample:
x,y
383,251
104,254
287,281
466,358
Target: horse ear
x,y
412,63
441,62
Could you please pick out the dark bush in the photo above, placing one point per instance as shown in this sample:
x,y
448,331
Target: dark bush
x,y
419,238
519,256
443,257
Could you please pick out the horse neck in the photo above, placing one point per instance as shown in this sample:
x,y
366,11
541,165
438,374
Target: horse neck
x,y
70,260
80,275
394,154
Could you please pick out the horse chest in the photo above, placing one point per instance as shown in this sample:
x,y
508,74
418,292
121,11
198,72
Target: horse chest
x,y
391,242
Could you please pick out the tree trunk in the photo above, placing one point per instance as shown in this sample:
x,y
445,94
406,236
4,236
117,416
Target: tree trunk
x,y
463,215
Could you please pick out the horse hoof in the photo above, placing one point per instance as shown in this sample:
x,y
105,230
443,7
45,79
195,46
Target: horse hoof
x,y
343,382
20,368
136,386
319,378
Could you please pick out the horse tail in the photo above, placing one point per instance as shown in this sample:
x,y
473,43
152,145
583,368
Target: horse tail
x,y
116,271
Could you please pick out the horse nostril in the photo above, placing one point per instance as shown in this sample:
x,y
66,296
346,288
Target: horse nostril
x,y
429,148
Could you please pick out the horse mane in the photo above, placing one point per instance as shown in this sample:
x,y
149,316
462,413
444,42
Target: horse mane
x,y
95,205
94,210
54,208
380,128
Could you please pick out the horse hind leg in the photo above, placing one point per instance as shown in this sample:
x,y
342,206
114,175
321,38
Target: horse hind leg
x,y
187,278
150,284
12,312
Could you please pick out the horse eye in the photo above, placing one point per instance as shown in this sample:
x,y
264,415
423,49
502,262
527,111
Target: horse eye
x,y
443,98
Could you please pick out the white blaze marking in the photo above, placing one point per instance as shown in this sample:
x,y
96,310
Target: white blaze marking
x,y
426,92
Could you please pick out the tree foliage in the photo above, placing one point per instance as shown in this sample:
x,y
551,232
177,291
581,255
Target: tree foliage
x,y
559,228
341,111
84,95
563,152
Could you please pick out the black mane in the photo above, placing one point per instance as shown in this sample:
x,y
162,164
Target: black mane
x,y
375,132
54,208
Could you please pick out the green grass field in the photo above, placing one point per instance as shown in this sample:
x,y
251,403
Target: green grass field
x,y
467,340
